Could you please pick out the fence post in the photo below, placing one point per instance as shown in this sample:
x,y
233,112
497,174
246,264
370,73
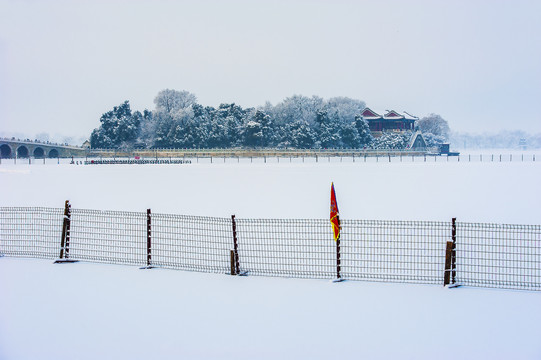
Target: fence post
x,y
65,240
149,240
448,255
235,245
232,260
453,254
66,220
338,277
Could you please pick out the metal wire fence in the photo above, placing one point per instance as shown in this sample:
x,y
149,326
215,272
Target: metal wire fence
x,y
292,248
30,232
116,237
191,243
486,255
499,255
403,251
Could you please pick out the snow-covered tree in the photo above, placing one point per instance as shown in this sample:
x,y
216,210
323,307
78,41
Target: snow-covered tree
x,y
392,140
119,128
298,135
434,124
502,140
328,131
171,101
258,131
433,140
147,133
179,122
297,107
365,135
344,109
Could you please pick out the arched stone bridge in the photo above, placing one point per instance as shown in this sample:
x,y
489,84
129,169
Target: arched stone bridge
x,y
24,149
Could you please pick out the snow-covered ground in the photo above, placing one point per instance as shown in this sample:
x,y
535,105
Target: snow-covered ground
x,y
89,311
506,192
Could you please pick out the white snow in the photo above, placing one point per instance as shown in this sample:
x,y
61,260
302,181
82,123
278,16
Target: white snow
x,y
89,311
506,192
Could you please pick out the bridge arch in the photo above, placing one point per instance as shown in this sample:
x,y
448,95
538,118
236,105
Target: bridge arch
x,y
53,153
22,151
39,152
5,150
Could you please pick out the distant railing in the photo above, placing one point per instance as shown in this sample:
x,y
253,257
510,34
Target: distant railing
x,y
448,253
256,151
41,142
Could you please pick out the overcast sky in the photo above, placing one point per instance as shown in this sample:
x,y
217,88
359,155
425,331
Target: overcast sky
x,y
64,63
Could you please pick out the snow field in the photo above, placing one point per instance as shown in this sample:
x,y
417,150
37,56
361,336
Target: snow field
x,y
89,311
472,192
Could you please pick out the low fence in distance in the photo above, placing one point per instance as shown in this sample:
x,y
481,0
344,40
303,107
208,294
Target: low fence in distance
x,y
136,161
472,254
314,157
179,157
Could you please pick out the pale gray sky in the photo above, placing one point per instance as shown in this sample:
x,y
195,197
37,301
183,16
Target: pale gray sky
x,y
64,63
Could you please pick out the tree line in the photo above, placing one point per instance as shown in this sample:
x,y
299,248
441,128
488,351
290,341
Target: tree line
x,y
179,121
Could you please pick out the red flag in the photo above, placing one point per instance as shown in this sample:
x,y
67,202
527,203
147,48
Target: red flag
x,y
335,219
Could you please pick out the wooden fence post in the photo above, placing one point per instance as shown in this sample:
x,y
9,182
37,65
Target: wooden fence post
x,y
149,241
453,255
232,260
235,245
66,234
63,243
448,255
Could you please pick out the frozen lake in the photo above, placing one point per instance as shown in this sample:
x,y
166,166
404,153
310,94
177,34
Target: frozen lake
x,y
89,311
506,192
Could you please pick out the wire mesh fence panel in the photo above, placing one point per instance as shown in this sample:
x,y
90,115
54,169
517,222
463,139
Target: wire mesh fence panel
x,y
291,248
488,255
398,251
191,242
495,255
116,237
31,232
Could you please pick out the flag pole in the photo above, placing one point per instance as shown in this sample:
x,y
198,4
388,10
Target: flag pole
x,y
335,222
338,277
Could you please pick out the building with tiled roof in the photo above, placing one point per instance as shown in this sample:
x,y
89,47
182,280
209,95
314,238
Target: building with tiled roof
x,y
389,120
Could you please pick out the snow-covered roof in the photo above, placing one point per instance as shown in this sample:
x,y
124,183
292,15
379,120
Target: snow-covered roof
x,y
414,137
392,115
409,116
374,112
385,115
